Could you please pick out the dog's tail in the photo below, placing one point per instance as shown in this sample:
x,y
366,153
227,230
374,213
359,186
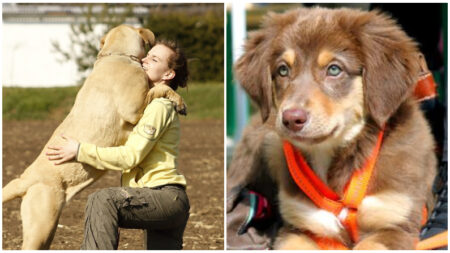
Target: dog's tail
x,y
14,189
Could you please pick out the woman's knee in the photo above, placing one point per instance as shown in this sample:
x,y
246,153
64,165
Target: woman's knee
x,y
101,200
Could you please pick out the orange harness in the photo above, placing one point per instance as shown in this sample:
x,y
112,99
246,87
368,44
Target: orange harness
x,y
323,197
344,208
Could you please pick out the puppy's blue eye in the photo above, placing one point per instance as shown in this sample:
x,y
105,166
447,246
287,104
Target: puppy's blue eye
x,y
334,70
283,70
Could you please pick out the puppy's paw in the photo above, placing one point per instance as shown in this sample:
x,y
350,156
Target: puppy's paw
x,y
289,239
369,245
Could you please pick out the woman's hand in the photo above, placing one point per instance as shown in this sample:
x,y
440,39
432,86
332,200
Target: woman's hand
x,y
64,153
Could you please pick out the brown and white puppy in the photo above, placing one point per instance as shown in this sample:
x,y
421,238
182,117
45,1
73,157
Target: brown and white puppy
x,y
328,81
110,102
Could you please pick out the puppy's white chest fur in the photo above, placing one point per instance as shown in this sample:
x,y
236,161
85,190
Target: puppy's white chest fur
x,y
305,215
298,210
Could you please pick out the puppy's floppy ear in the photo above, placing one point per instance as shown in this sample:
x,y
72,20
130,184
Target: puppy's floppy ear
x,y
391,66
253,71
147,36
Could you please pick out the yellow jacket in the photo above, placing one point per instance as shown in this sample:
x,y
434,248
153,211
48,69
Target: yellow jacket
x,y
149,157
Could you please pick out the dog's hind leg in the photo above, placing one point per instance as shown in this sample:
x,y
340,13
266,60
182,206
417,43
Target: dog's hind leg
x,y
40,211
14,189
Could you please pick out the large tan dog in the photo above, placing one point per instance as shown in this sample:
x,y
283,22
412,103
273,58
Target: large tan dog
x,y
110,102
328,81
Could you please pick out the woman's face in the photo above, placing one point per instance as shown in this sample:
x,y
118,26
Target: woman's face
x,y
156,64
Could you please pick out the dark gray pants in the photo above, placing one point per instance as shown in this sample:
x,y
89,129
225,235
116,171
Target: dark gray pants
x,y
162,212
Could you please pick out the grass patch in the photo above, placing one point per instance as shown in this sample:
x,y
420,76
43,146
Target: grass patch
x,y
204,101
36,103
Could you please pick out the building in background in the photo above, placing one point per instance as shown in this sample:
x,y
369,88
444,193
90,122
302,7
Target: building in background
x,y
28,57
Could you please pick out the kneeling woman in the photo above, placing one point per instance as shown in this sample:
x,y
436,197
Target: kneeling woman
x,y
152,196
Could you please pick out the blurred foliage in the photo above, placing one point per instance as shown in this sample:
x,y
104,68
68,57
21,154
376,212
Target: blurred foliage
x,y
256,13
204,101
201,37
199,31
84,42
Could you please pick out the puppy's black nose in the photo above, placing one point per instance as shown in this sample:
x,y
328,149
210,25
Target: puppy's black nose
x,y
294,119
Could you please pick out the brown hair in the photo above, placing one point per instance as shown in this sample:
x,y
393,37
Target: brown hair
x,y
178,63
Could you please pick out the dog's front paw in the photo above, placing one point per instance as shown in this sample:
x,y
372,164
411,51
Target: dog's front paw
x,y
181,107
165,91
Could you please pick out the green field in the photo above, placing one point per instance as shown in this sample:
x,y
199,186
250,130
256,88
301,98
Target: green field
x,y
204,101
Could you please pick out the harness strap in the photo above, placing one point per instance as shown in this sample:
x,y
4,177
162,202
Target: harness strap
x,y
350,223
425,86
434,242
304,180
357,188
325,198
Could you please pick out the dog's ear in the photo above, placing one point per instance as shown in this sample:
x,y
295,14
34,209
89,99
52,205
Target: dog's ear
x,y
102,42
147,36
253,71
390,68
253,68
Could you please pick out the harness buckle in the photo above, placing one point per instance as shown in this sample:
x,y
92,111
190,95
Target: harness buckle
x,y
342,216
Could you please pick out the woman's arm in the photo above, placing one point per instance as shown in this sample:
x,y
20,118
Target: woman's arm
x,y
156,119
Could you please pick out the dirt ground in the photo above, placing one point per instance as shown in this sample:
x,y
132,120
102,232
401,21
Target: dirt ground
x,y
200,160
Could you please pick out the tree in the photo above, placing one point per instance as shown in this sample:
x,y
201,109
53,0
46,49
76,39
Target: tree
x,y
198,28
